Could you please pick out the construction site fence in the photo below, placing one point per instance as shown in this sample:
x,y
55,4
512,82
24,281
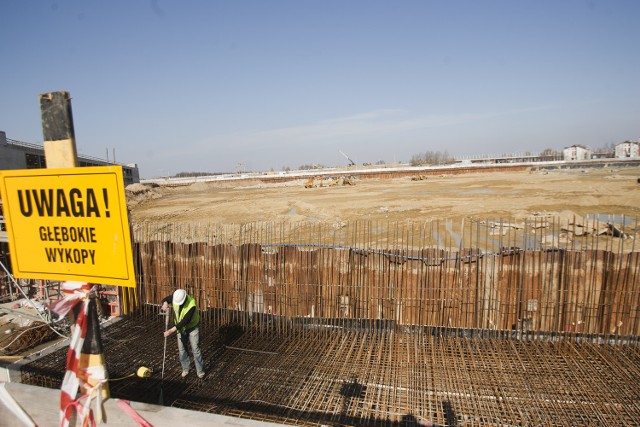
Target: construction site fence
x,y
405,275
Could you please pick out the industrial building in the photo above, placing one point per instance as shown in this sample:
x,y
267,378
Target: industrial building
x,y
23,155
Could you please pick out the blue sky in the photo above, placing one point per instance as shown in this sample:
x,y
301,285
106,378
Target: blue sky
x,y
208,85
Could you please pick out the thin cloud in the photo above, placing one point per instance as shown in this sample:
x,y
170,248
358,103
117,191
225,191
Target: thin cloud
x,y
365,125
373,124
296,144
376,114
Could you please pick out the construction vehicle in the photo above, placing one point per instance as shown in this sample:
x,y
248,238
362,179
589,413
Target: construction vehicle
x,y
351,162
342,180
335,181
316,181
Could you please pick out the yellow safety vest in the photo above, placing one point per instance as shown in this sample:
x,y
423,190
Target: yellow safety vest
x,y
178,314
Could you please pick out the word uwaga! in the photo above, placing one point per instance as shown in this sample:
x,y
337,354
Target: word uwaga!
x,y
72,203
59,203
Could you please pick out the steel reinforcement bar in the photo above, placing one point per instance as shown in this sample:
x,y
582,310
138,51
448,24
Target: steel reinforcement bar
x,y
588,287
336,375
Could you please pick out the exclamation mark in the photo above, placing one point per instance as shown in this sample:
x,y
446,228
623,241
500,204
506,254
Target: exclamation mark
x,y
106,202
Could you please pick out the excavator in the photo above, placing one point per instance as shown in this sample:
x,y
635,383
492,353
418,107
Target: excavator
x,y
312,182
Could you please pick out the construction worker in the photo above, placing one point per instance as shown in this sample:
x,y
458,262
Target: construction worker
x,y
186,324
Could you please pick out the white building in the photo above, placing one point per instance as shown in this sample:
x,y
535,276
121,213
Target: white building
x,y
577,152
627,149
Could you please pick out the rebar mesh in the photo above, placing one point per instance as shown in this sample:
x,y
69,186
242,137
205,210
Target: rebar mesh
x,y
348,375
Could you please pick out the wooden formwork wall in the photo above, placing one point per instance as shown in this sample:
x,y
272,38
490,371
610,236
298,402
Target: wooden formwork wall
x,y
590,291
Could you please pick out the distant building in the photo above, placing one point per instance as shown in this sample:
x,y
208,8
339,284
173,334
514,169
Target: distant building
x,y
22,155
577,152
627,149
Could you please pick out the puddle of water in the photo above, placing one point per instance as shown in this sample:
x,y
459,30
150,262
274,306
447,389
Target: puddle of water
x,y
478,191
613,219
449,227
455,235
437,236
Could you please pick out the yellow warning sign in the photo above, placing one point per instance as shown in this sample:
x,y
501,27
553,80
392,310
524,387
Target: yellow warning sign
x,y
68,224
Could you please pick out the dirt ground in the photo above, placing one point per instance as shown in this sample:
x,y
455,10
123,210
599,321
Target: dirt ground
x,y
506,195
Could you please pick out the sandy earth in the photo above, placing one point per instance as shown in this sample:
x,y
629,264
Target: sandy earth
x,y
506,195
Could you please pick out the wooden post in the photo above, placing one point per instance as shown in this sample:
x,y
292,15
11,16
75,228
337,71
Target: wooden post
x,y
59,138
57,127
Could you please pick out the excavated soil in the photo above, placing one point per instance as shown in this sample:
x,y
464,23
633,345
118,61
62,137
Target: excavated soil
x,y
508,195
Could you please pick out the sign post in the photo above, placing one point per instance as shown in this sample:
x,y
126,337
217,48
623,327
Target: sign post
x,y
83,234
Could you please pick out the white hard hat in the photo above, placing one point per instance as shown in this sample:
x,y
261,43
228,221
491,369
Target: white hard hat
x,y
179,296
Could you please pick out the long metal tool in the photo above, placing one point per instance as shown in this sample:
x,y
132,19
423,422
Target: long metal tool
x,y
164,355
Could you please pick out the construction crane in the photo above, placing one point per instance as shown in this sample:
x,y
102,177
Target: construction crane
x,y
351,162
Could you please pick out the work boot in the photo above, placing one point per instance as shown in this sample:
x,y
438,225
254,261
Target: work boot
x,y
185,373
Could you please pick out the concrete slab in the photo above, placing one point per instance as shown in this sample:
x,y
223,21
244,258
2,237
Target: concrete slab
x,y
43,406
